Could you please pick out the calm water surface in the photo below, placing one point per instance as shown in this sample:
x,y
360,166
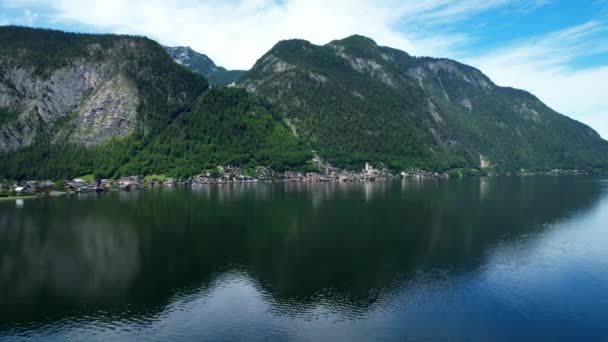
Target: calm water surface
x,y
475,259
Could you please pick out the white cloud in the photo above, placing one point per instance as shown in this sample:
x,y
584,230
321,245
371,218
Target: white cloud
x,y
542,65
533,5
28,18
235,33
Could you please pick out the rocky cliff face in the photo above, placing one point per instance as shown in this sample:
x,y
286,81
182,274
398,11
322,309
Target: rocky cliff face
x,y
99,101
109,112
85,89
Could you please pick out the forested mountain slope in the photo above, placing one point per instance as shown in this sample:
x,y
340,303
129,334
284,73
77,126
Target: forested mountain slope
x,y
73,104
354,100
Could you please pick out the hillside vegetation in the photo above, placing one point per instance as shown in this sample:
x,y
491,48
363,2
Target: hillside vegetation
x,y
111,105
354,100
180,128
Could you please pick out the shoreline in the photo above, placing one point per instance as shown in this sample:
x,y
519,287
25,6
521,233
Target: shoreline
x,y
13,198
232,175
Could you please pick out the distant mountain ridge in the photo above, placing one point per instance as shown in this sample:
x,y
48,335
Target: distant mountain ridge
x,y
112,105
202,64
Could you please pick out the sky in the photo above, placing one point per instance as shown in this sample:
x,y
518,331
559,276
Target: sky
x,y
556,49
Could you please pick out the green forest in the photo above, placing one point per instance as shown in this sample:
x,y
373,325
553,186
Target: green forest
x,y
224,127
355,101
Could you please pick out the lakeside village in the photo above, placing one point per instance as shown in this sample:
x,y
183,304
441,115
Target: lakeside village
x,y
223,175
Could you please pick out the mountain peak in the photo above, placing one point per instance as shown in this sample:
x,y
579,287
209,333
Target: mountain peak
x,y
356,39
185,55
291,45
357,45
202,64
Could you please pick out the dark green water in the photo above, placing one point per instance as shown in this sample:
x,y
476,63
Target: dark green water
x,y
521,258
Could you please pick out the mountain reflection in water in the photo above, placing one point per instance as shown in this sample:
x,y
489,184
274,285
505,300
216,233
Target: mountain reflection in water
x,y
489,258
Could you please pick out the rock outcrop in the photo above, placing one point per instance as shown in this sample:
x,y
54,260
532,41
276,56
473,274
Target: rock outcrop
x,y
45,102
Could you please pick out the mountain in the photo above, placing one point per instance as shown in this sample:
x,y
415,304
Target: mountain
x,y
201,64
355,101
76,104
114,105
86,89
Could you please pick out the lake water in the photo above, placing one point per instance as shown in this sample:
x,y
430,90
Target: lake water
x,y
513,258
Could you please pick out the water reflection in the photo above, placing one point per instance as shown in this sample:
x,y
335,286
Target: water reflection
x,y
274,253
89,256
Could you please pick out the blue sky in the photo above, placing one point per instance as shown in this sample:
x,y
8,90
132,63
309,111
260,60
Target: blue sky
x,y
556,49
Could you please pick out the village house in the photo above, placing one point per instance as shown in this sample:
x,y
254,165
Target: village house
x,y
23,189
106,184
46,186
77,185
128,183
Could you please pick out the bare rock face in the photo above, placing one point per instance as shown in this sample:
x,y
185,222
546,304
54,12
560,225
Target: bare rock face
x,y
41,102
96,101
111,111
366,65
466,74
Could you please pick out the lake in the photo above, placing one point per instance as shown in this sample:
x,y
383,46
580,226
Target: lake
x,y
477,259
